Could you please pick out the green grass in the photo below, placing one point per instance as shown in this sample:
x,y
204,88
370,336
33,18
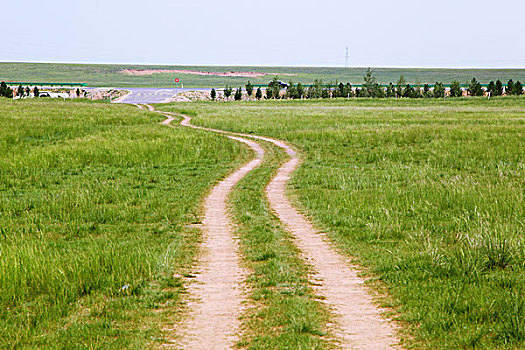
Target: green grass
x,y
95,202
109,75
283,311
428,197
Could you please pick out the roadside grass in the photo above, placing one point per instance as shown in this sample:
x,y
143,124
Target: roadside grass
x,y
110,75
283,312
427,196
95,202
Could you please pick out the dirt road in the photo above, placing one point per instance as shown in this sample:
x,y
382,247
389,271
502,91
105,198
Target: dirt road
x,y
358,321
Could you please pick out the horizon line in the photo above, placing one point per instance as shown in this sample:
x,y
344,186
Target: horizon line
x,y
263,65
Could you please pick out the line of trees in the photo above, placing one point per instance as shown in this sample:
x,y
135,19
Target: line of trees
x,y
371,88
6,91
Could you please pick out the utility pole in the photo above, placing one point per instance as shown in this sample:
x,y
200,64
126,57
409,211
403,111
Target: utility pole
x,y
347,58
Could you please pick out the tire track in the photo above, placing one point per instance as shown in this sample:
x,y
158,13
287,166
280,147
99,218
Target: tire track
x,y
358,322
216,295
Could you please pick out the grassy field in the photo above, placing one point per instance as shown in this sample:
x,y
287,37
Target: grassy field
x,y
95,202
109,75
427,196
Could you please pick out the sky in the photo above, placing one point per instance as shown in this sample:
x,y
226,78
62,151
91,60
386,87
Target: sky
x,y
379,33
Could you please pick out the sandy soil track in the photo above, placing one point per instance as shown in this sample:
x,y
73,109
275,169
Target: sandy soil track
x,y
359,324
216,294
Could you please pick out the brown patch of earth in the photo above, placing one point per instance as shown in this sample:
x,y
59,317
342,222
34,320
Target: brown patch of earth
x,y
141,72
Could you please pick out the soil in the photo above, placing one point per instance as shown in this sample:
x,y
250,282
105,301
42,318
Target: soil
x,y
142,72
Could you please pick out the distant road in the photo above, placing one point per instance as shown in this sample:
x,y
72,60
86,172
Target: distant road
x,y
150,95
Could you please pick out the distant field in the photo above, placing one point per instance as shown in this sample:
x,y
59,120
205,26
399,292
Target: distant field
x,y
95,203
110,75
428,196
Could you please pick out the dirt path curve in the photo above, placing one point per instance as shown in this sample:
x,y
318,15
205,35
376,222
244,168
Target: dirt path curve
x,y
217,295
359,324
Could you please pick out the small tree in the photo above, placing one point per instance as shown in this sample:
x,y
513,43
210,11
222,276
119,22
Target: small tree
x,y
518,88
78,92
510,88
390,90
258,93
36,92
291,90
299,90
20,91
238,94
439,90
455,89
228,92
28,90
491,89
426,91
213,94
400,85
249,89
498,91
3,89
408,91
475,88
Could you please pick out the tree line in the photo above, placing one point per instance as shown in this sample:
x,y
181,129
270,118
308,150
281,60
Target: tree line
x,y
372,89
6,91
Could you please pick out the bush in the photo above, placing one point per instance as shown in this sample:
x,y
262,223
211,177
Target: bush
x,y
518,88
20,91
499,88
258,93
390,90
491,89
439,90
213,94
5,91
238,94
300,90
510,87
228,92
455,89
249,89
400,85
36,92
475,88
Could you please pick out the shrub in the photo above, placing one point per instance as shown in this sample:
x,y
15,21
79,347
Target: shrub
x,y
258,93
228,92
36,92
213,94
491,89
249,89
499,88
510,87
455,89
408,91
518,88
20,90
401,83
390,90
475,88
291,91
238,94
439,90
300,90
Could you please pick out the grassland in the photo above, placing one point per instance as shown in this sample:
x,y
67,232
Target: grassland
x,y
109,75
428,197
95,202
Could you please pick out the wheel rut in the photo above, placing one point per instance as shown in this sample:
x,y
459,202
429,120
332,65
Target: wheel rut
x,y
358,321
216,294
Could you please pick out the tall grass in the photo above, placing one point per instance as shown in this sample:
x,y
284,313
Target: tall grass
x,y
94,206
427,196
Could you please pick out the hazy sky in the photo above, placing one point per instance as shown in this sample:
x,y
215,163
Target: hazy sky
x,y
379,33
